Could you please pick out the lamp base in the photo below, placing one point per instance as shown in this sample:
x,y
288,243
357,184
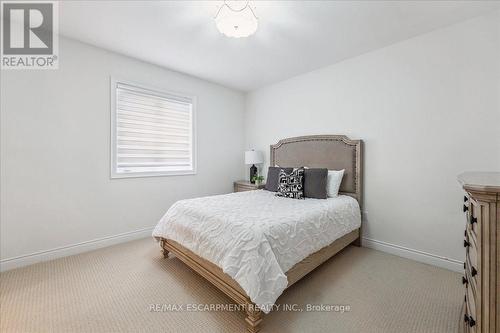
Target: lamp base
x,y
253,173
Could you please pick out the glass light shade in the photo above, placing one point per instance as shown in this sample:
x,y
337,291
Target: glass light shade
x,y
236,22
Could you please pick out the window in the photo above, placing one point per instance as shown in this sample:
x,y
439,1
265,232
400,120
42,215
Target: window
x,y
152,132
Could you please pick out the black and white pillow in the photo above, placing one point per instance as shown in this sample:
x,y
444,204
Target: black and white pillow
x,y
291,185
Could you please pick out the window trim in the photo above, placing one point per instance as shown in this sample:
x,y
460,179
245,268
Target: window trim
x,y
114,81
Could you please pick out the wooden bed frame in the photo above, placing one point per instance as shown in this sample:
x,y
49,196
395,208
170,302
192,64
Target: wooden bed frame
x,y
334,152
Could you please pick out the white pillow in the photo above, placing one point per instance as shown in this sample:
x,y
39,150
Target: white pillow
x,y
333,182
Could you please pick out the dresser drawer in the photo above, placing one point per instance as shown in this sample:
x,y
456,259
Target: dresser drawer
x,y
473,218
470,317
471,248
241,188
470,282
465,325
466,205
471,272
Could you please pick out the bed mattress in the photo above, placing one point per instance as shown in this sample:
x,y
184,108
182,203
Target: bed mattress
x,y
256,237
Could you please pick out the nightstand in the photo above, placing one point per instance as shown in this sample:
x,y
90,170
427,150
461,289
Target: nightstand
x,y
245,185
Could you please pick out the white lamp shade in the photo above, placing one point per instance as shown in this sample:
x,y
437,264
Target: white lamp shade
x,y
253,157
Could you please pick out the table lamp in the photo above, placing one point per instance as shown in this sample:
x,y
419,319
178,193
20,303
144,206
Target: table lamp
x,y
253,157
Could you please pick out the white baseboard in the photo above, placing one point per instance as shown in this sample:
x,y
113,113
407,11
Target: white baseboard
x,y
68,250
64,251
417,255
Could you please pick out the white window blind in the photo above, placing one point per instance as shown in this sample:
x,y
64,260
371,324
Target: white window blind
x,y
153,132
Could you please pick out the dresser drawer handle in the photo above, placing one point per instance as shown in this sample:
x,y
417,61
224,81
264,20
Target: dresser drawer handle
x,y
466,243
470,320
473,271
466,208
473,220
464,280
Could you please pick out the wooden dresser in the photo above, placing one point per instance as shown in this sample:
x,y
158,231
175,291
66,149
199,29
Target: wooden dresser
x,y
481,240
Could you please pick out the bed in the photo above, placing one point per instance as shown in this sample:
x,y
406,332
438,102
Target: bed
x,y
253,245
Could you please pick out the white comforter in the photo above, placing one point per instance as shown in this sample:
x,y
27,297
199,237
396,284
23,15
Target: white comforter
x,y
255,237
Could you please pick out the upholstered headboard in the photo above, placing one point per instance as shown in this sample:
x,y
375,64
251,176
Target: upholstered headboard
x,y
334,152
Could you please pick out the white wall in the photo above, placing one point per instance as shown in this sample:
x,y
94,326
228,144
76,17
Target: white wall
x,y
427,109
422,107
56,189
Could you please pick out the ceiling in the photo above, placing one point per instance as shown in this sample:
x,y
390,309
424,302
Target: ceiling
x,y
294,37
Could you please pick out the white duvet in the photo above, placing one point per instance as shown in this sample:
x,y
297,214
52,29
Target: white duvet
x,y
255,237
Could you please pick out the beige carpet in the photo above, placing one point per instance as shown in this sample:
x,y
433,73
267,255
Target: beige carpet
x,y
112,290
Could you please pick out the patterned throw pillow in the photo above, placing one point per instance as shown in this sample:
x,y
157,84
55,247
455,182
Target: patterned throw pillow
x,y
291,185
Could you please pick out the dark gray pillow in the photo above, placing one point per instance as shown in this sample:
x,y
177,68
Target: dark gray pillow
x,y
272,178
315,183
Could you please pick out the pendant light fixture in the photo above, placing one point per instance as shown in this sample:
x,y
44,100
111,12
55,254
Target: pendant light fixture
x,y
236,18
